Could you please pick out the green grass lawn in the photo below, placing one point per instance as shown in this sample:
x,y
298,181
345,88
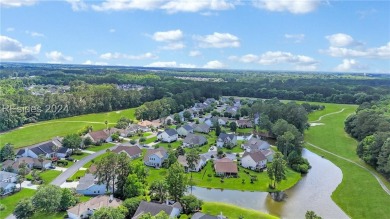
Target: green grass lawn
x,y
201,179
79,157
56,215
146,134
359,194
77,175
101,147
49,175
232,211
98,158
42,131
150,140
174,145
244,130
11,201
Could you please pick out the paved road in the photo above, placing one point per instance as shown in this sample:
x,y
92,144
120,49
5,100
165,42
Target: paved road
x,y
76,166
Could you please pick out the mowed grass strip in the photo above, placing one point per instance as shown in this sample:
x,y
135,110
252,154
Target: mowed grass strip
x,y
359,193
42,131
10,202
232,211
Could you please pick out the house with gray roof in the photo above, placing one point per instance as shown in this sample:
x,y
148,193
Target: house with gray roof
x,y
30,163
169,135
155,157
254,160
194,140
185,130
198,165
226,139
202,128
86,209
131,151
254,144
46,149
99,136
88,185
154,208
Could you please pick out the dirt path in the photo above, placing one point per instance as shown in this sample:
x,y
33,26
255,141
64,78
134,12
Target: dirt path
x,y
329,114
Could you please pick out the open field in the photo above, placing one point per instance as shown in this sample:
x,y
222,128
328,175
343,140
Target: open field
x,y
359,194
10,201
232,211
42,131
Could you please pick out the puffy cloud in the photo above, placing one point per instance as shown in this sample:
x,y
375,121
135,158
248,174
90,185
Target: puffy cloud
x,y
297,38
58,57
17,3
350,65
214,64
340,40
12,50
382,52
292,6
248,58
171,35
117,55
78,5
170,6
89,62
218,40
171,64
195,53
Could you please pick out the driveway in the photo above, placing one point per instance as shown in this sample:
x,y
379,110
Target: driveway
x,y
76,166
29,185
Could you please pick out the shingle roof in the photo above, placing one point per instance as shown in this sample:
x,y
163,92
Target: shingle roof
x,y
95,203
160,152
200,215
225,165
171,132
131,151
187,127
99,135
152,208
85,182
256,156
203,127
6,175
194,139
20,152
225,137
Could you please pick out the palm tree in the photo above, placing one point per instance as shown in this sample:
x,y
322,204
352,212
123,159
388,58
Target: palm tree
x,y
41,158
19,180
106,122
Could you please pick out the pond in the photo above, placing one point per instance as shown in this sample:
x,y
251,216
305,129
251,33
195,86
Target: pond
x,y
312,192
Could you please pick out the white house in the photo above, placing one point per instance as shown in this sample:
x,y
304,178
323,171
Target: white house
x,y
46,149
254,160
8,187
198,165
88,186
131,151
185,130
86,209
8,177
254,144
155,157
225,139
154,208
169,135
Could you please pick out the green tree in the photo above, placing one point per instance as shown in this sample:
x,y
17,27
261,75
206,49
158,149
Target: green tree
x,y
131,204
233,126
160,189
161,215
72,141
110,213
20,179
7,152
47,198
312,215
190,204
133,187
122,171
384,159
68,199
139,169
87,141
187,115
180,151
106,170
176,181
122,123
115,137
192,159
217,129
277,170
177,118
172,158
24,209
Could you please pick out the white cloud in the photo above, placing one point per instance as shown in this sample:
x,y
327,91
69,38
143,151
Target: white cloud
x,y
297,38
248,58
112,30
171,64
171,35
174,46
382,52
340,40
350,65
195,53
218,40
214,64
89,62
292,6
10,29
195,6
58,57
17,3
13,50
170,6
117,55
78,5
34,34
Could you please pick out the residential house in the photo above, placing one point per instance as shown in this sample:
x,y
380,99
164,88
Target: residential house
x,y
122,132
169,119
86,209
131,151
221,120
7,181
254,160
169,135
200,215
8,187
254,144
134,128
48,149
193,140
155,157
232,110
185,130
30,163
147,123
198,165
202,128
269,154
225,167
226,139
244,123
209,122
154,208
88,185
99,136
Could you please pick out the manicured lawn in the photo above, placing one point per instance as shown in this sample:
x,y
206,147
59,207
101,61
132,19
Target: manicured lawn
x,y
236,149
10,201
101,147
43,131
202,179
174,145
49,175
57,215
98,158
150,140
359,194
146,134
77,175
245,130
81,156
232,211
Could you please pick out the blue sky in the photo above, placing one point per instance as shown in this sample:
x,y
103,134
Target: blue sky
x,y
308,35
